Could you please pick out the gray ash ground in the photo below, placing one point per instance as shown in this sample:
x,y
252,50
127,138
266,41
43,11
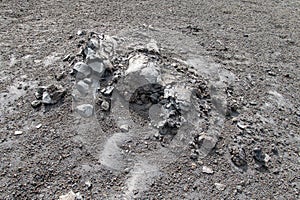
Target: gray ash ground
x,y
47,152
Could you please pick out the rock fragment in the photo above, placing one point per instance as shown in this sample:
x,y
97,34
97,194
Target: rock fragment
x,y
18,132
46,98
82,69
82,87
124,128
207,170
220,186
71,196
97,65
36,103
85,110
105,105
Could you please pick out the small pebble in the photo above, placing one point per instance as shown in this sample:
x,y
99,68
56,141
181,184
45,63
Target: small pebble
x,y
207,170
18,132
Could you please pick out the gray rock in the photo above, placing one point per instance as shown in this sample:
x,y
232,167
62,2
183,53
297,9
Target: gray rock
x,y
82,69
241,125
18,132
88,184
83,87
105,105
88,81
85,110
150,73
36,103
206,144
81,33
97,65
108,90
207,170
39,92
136,63
152,46
69,196
47,98
124,128
220,186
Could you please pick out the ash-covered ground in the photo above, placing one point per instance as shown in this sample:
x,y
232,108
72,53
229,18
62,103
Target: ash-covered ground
x,y
149,100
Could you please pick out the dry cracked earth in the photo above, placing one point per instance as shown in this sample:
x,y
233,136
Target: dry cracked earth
x,y
196,100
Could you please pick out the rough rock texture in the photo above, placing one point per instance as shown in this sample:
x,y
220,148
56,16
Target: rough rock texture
x,y
257,153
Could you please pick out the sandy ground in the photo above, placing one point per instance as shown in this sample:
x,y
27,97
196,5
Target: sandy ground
x,y
257,41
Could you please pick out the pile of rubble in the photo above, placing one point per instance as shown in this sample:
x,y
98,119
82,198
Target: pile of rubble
x,y
145,79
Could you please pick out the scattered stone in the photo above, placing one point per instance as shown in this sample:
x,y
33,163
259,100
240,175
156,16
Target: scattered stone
x,y
260,157
85,110
206,143
71,196
108,90
49,95
207,170
124,128
18,132
152,46
241,125
105,105
239,188
193,165
194,156
39,92
220,186
88,81
38,126
88,184
46,98
66,58
36,103
81,33
238,155
82,69
60,76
